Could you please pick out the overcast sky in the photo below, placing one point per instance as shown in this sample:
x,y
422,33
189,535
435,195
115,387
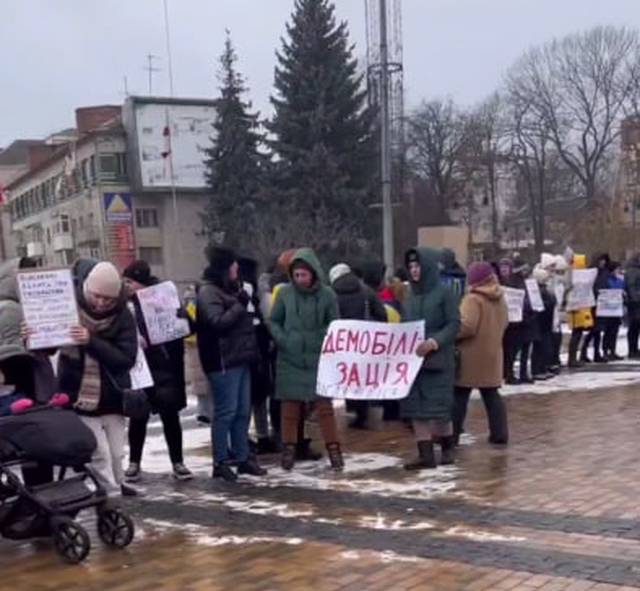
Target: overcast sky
x,y
61,54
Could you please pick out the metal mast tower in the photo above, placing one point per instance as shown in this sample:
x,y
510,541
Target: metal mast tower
x,y
386,93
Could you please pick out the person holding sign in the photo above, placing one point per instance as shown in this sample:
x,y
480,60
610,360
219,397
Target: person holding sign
x,y
596,333
95,372
227,345
429,403
168,395
616,289
580,319
483,320
301,314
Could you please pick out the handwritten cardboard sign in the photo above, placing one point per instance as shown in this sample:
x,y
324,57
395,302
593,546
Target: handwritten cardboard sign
x,y
49,306
369,360
610,303
581,293
535,297
515,303
159,305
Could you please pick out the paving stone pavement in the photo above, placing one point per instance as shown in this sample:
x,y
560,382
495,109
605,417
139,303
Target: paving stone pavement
x,y
555,510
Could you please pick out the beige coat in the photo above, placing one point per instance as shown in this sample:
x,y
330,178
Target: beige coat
x,y
483,320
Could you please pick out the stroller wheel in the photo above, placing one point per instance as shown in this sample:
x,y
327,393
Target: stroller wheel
x,y
115,528
71,539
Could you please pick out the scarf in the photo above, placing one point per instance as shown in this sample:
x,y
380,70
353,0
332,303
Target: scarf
x,y
91,384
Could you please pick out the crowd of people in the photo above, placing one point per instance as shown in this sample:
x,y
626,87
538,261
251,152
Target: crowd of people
x,y
259,339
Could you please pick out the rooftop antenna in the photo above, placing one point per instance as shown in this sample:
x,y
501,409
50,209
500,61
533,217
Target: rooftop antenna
x,y
151,69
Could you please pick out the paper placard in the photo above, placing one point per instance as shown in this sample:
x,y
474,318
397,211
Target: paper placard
x,y
160,304
140,374
535,297
49,307
610,303
369,360
581,294
515,303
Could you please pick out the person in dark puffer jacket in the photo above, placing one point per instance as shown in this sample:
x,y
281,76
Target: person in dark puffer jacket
x,y
228,346
168,395
95,372
356,301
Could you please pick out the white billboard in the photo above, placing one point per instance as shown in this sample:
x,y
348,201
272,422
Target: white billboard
x,y
184,130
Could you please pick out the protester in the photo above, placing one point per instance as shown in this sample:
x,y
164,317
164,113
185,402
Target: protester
x,y
279,278
95,372
612,325
27,377
542,357
168,395
632,290
601,263
391,293
301,314
262,379
483,320
356,301
579,320
228,346
451,273
519,336
429,403
558,287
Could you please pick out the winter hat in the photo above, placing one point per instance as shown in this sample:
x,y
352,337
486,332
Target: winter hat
x,y
338,271
479,273
104,280
561,264
520,266
540,274
547,261
138,271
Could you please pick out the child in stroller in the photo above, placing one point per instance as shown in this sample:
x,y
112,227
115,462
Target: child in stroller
x,y
55,436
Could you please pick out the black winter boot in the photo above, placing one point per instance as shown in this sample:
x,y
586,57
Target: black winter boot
x,y
288,459
448,445
305,453
335,456
426,458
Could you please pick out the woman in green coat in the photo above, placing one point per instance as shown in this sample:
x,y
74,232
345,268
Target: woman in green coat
x,y
429,403
300,316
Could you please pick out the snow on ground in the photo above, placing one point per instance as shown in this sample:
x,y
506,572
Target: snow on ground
x,y
201,535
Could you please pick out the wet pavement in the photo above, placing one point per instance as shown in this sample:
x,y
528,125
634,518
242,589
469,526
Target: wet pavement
x,y
556,510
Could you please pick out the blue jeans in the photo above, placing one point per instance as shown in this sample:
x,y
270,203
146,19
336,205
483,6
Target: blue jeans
x,y
231,413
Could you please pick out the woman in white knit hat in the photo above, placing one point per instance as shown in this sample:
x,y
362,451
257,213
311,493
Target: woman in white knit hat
x,y
95,372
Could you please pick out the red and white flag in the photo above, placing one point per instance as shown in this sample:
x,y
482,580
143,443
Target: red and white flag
x,y
4,195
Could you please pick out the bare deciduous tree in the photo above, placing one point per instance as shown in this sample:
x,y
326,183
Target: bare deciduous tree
x,y
579,88
437,142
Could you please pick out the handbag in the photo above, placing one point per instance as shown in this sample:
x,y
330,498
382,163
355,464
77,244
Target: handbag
x,y
135,403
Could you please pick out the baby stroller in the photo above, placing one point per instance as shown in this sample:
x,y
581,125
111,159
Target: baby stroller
x,y
29,508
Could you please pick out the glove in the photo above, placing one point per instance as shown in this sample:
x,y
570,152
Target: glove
x,y
182,314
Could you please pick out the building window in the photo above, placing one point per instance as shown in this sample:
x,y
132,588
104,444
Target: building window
x,y
49,236
63,226
113,166
151,255
147,218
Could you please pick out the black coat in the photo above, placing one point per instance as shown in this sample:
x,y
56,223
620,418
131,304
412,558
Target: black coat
x,y
166,363
526,331
226,335
357,301
115,351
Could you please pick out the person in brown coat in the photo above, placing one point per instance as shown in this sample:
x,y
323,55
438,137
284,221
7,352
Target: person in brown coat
x,y
483,320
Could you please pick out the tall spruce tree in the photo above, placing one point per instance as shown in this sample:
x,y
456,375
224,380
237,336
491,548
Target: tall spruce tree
x,y
235,167
322,128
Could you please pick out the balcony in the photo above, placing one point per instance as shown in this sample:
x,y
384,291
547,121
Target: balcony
x,y
35,249
62,242
88,235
